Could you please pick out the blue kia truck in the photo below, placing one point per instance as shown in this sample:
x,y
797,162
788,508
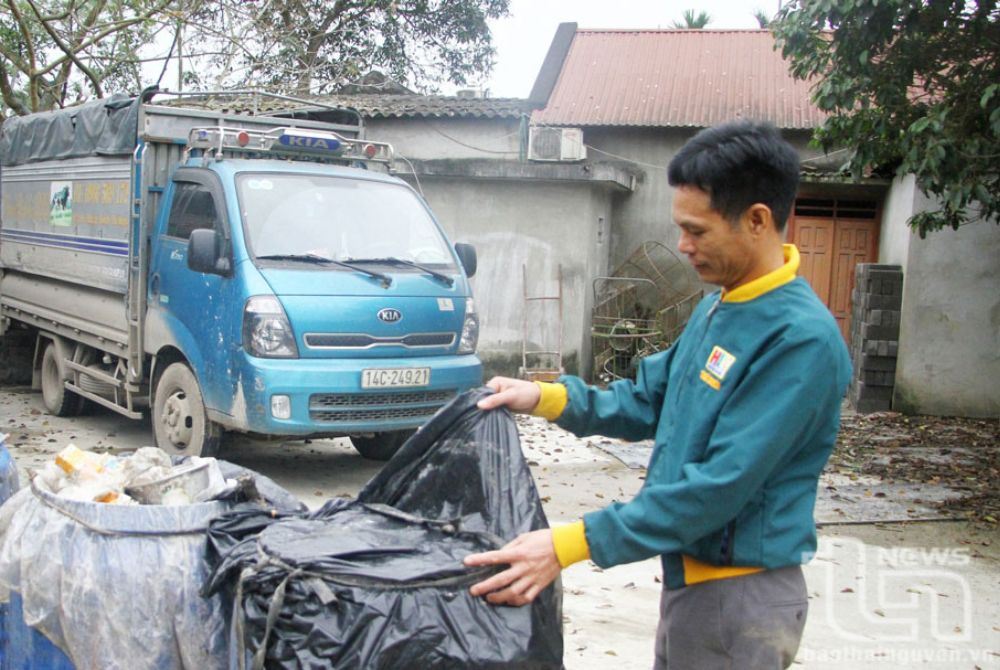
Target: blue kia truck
x,y
230,272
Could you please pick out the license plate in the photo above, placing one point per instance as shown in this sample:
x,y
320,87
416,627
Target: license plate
x,y
395,377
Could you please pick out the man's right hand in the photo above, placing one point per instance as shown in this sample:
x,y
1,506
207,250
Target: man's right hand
x,y
517,395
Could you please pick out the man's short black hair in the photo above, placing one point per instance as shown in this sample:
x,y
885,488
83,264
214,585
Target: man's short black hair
x,y
737,164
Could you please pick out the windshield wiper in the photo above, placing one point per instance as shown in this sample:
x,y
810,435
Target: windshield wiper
x,y
323,260
392,260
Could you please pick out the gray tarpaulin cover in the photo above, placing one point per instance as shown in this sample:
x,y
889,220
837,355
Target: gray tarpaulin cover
x,y
378,583
101,128
115,586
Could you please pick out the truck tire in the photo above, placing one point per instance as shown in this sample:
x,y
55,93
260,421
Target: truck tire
x,y
57,399
180,425
381,446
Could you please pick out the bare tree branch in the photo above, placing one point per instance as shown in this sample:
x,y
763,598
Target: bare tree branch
x,y
9,98
113,27
95,81
29,46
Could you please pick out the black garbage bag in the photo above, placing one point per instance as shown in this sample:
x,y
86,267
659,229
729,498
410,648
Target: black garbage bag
x,y
379,582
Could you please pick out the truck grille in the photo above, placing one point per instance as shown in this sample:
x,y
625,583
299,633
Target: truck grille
x,y
359,407
363,341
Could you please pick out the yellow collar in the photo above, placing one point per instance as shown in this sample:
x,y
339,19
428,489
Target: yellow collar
x,y
769,282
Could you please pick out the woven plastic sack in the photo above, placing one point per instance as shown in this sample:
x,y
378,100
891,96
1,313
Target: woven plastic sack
x,y
115,586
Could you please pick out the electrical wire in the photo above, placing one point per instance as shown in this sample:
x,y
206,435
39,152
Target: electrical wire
x,y
413,171
166,61
470,146
607,153
623,158
824,156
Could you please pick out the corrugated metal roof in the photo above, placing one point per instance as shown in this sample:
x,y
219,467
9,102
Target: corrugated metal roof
x,y
666,78
384,105
388,105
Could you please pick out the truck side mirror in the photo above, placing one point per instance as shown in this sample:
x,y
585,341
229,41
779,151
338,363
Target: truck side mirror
x,y
466,254
205,252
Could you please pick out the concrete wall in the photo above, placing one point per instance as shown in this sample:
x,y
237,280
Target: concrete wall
x,y
645,215
895,235
540,225
434,138
949,342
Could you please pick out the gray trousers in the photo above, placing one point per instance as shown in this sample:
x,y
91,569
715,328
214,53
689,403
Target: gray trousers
x,y
742,623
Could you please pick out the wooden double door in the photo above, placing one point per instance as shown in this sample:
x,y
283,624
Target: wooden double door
x,y
834,235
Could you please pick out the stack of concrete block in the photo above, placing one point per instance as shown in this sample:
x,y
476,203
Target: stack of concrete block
x,y
877,297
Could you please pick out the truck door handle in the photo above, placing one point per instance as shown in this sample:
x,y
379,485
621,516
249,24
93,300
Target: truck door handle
x,y
154,284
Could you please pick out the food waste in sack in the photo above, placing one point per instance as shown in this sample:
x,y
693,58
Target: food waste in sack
x,y
144,477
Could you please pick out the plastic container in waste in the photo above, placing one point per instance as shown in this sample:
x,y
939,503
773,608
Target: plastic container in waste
x,y
8,472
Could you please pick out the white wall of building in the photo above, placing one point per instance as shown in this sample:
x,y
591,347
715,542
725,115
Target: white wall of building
x,y
949,342
435,138
645,215
540,226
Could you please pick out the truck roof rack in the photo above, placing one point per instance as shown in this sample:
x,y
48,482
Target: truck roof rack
x,y
287,141
254,97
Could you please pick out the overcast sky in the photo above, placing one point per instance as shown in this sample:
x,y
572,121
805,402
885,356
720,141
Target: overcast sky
x,y
523,38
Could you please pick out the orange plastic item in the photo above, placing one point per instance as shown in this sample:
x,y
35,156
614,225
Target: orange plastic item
x,y
107,497
71,459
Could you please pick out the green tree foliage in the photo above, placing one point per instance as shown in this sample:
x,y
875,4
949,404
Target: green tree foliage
x,y
763,18
316,46
55,52
913,86
692,21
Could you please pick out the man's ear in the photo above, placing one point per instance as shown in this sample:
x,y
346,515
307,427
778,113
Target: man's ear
x,y
759,218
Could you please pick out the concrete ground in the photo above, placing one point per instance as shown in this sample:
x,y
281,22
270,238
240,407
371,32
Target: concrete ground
x,y
924,594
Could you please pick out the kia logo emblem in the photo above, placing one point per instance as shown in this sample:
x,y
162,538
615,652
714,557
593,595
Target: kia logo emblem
x,y
389,315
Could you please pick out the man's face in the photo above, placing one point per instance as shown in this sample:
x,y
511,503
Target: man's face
x,y
720,252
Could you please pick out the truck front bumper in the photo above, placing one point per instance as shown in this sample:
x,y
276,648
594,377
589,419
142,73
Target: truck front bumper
x,y
325,397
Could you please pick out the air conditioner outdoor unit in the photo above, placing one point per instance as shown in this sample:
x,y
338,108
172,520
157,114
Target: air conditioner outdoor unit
x,y
556,144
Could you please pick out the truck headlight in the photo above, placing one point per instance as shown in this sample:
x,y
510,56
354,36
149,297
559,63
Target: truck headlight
x,y
266,330
470,329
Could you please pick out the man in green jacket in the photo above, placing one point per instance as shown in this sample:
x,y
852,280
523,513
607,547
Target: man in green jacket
x,y
743,410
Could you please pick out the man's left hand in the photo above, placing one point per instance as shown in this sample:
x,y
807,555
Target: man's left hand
x,y
533,566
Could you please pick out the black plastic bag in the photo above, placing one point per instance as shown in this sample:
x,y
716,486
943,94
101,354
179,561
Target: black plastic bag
x,y
379,582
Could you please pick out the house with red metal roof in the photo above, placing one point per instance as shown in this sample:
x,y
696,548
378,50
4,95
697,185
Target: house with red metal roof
x,y
638,95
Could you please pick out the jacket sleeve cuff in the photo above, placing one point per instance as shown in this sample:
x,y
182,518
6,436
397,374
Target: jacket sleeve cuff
x,y
570,543
552,402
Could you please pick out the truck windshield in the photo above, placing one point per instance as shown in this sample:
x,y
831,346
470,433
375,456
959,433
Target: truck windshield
x,y
339,219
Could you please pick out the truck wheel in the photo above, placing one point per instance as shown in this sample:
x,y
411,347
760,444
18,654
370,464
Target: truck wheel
x,y
381,446
58,400
180,425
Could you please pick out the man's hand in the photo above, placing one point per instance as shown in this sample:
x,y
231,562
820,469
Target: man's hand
x,y
533,566
517,395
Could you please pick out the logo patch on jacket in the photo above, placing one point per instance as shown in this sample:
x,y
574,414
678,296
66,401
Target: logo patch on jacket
x,y
719,362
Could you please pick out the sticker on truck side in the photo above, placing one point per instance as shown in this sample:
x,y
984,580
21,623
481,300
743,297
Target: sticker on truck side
x,y
61,203
395,377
